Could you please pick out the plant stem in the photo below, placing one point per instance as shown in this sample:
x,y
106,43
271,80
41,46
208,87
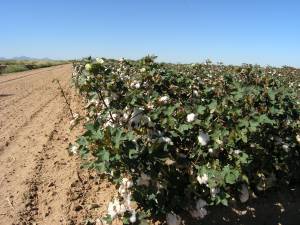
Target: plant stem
x,y
65,97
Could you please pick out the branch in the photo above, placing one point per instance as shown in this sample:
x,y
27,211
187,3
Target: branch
x,y
65,97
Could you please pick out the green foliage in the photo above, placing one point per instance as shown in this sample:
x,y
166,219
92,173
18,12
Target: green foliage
x,y
12,66
242,129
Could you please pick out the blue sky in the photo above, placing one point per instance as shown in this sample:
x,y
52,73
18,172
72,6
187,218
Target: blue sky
x,y
232,31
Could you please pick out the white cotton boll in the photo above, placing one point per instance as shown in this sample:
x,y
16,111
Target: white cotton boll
x,y
122,209
285,147
111,211
123,189
150,105
132,218
203,138
76,115
127,183
108,123
114,96
219,141
127,200
196,93
210,150
72,123
173,219
137,85
125,180
117,208
237,152
298,138
99,60
126,116
94,101
143,70
74,149
244,196
163,99
143,180
114,115
214,192
202,179
107,101
165,140
191,117
88,67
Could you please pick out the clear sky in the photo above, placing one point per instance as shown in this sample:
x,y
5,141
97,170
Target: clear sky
x,y
266,32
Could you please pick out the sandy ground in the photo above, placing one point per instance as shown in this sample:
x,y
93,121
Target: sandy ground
x,y
40,183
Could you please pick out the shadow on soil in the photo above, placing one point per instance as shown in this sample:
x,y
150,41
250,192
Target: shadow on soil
x,y
6,95
280,207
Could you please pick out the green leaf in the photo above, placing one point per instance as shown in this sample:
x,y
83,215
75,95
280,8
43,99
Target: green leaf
x,y
184,127
133,154
271,94
201,109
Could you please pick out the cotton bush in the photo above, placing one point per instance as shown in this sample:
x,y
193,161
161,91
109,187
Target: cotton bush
x,y
186,135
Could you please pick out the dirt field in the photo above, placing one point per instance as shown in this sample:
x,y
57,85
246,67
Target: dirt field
x,y
41,184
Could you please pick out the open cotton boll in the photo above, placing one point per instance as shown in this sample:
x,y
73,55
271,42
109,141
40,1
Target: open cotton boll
x,y
106,101
163,99
173,219
88,67
114,208
150,105
298,138
214,191
111,211
203,138
132,218
135,84
143,70
165,140
202,179
99,60
244,196
196,93
127,183
190,117
92,102
73,149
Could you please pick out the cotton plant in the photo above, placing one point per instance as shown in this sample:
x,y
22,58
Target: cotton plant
x,y
186,135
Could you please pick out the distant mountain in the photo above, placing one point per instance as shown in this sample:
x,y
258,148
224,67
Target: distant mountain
x,y
26,58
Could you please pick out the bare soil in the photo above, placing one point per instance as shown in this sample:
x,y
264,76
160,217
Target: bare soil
x,y
40,183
